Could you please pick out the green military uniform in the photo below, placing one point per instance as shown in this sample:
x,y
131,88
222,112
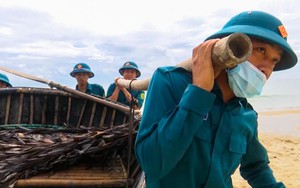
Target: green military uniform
x,y
192,139
94,89
139,95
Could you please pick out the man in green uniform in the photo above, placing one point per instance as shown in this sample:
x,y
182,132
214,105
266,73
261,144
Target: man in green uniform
x,y
82,72
4,81
129,97
197,128
115,92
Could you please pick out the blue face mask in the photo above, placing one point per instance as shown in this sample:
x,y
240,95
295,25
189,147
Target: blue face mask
x,y
246,80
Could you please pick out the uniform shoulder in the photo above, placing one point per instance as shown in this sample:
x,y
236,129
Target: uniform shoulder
x,y
97,85
169,69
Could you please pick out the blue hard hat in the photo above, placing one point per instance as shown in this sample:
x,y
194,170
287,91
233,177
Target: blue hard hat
x,y
4,78
130,65
263,26
82,67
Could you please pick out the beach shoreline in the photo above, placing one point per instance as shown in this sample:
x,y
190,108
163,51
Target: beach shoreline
x,y
285,122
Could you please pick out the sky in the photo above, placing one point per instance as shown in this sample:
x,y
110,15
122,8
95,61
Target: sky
x,y
46,38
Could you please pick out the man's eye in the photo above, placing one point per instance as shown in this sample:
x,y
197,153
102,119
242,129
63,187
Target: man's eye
x,y
275,61
261,50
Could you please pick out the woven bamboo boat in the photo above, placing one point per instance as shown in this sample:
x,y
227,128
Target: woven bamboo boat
x,y
53,138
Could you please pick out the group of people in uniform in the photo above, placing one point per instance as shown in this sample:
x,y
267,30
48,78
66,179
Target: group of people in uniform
x,y
202,128
82,72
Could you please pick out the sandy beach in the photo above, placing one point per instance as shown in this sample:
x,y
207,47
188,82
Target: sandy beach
x,y
279,132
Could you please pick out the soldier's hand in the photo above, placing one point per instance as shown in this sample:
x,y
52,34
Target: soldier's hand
x,y
203,70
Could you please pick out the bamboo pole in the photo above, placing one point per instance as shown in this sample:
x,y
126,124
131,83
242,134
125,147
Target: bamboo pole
x,y
227,53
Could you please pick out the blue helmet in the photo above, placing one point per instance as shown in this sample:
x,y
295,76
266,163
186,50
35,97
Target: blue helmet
x,y
263,26
82,67
130,65
4,78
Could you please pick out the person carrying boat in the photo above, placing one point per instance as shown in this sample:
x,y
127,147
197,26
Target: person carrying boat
x,y
82,72
115,92
197,127
4,81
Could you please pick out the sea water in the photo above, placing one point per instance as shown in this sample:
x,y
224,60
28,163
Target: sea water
x,y
275,102
278,114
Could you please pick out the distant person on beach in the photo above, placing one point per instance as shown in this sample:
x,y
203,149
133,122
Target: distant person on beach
x,y
115,92
4,81
198,127
82,72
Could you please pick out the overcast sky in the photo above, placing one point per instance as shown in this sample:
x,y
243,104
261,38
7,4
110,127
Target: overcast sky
x,y
46,38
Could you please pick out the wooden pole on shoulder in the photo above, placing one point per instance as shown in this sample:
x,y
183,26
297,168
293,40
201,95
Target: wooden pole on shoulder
x,y
227,53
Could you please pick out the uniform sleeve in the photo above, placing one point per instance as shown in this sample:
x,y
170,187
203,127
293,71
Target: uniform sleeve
x,y
255,166
169,124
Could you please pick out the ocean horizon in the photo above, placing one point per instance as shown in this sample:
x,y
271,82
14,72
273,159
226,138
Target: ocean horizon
x,y
271,102
275,102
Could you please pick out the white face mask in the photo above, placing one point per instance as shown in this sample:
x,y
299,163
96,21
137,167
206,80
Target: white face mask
x,y
246,80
